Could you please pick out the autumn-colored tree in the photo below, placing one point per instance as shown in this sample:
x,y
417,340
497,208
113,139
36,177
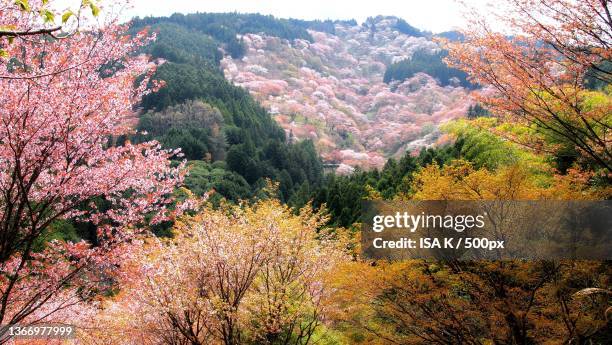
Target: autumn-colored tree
x,y
459,180
535,73
475,302
65,95
480,302
238,275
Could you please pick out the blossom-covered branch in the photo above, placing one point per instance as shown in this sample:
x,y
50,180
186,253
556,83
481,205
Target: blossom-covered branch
x,y
58,161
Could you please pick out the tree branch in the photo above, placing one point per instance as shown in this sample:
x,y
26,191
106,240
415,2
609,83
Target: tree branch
x,y
29,33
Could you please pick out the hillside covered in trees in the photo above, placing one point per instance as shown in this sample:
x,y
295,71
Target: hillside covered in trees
x,y
232,142
235,144
334,88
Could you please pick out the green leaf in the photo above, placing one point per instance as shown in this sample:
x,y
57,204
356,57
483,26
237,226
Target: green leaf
x,y
95,10
48,16
23,5
67,16
11,39
4,54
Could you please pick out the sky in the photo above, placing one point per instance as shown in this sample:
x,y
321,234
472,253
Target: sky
x,y
431,15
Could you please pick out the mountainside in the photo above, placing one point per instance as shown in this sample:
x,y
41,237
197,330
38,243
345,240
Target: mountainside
x,y
332,89
250,98
232,143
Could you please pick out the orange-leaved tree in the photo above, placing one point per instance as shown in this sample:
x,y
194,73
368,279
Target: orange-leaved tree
x,y
476,302
536,72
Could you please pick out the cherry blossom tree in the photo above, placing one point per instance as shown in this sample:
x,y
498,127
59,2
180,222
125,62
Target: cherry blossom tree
x,y
66,93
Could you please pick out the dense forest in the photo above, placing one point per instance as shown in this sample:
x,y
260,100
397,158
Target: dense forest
x,y
224,27
232,142
403,27
342,196
429,63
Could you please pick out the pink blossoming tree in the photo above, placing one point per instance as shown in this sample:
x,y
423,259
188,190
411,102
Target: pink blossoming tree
x,y
67,91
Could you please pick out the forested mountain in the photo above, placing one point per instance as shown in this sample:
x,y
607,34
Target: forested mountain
x,y
354,94
233,143
325,103
304,73
334,91
329,106
224,27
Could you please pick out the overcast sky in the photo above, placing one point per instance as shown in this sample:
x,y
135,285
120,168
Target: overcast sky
x,y
432,15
